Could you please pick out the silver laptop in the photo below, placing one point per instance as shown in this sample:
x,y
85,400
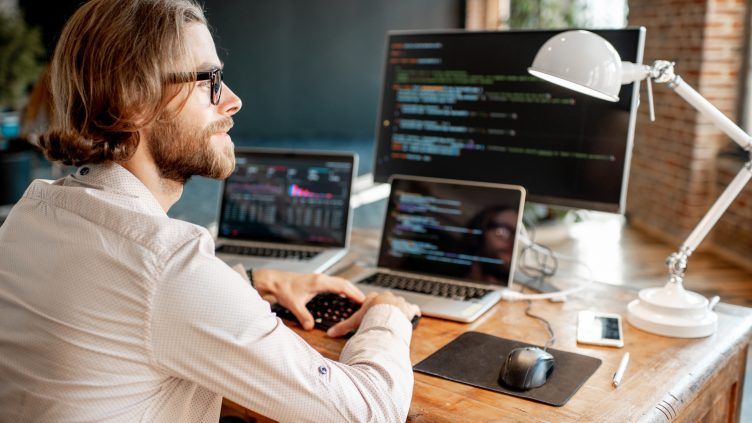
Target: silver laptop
x,y
286,209
448,246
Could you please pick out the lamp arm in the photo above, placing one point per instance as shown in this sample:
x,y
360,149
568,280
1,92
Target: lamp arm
x,y
717,209
703,106
677,262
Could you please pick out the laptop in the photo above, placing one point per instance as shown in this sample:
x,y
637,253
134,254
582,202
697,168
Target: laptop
x,y
286,209
448,246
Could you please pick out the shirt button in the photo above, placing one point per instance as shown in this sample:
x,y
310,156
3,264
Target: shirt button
x,y
323,370
84,171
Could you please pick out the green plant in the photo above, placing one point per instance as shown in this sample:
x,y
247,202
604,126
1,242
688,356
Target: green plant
x,y
544,13
21,53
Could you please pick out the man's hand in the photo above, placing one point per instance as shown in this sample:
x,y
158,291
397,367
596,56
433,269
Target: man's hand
x,y
294,290
345,326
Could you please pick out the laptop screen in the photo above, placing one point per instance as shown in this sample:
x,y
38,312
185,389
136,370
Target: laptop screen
x,y
288,197
461,230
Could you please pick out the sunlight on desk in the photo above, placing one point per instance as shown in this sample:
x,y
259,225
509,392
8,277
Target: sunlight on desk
x,y
595,242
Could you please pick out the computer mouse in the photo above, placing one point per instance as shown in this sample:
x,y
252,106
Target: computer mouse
x,y
526,368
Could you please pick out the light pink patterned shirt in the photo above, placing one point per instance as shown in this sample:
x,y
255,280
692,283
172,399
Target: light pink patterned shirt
x,y
110,311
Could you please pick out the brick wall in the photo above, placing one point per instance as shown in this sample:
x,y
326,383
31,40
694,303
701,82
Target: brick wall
x,y
674,177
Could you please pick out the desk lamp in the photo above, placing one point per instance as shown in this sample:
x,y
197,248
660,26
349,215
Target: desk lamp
x,y
587,63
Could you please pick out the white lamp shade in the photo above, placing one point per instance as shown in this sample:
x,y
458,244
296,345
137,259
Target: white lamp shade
x,y
581,61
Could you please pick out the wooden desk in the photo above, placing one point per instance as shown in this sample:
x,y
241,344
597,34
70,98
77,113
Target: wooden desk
x,y
668,379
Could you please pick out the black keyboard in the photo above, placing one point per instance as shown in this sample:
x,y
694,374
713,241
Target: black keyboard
x,y
281,253
327,310
425,286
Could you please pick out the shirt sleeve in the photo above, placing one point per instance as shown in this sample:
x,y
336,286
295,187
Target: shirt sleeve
x,y
209,326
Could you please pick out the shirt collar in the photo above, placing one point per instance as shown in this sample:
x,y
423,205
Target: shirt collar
x,y
114,178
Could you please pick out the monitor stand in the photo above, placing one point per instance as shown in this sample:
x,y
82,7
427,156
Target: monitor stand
x,y
535,283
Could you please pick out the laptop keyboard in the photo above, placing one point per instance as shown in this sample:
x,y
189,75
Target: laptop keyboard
x,y
327,309
425,286
280,253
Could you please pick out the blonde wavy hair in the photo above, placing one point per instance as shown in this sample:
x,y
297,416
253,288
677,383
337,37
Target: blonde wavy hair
x,y
110,76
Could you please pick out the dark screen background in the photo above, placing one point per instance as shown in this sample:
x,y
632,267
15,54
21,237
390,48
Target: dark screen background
x,y
289,198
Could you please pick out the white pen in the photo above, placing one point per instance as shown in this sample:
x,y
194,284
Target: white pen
x,y
620,371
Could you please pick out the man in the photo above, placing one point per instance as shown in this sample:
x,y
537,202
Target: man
x,y
112,312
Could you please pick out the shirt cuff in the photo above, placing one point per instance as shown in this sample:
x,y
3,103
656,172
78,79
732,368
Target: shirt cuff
x,y
389,317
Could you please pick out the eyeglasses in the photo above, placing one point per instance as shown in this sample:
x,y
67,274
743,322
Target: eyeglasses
x,y
214,76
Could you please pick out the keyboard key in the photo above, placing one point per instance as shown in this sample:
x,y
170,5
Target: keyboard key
x,y
287,254
426,286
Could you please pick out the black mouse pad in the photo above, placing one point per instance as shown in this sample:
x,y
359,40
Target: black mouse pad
x,y
475,359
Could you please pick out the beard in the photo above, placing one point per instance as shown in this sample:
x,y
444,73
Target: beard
x,y
181,150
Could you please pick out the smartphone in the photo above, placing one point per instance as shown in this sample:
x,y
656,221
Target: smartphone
x,y
599,329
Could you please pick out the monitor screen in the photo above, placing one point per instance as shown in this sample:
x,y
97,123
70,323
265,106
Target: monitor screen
x,y
291,197
463,230
462,105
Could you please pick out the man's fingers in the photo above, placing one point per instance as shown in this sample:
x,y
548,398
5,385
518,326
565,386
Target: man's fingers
x,y
302,314
351,323
345,326
340,286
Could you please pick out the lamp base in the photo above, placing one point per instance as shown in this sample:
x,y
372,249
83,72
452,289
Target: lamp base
x,y
672,311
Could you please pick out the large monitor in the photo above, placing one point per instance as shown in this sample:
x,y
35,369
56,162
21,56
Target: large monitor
x,y
461,105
